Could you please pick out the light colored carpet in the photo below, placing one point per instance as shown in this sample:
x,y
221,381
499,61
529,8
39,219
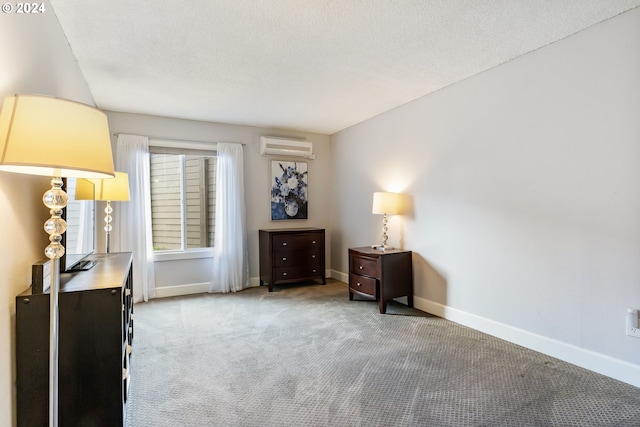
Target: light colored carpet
x,y
307,356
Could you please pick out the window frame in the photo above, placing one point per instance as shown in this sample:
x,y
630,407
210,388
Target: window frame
x,y
185,148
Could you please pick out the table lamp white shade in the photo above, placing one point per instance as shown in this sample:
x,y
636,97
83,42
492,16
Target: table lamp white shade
x,y
109,190
385,203
54,137
112,189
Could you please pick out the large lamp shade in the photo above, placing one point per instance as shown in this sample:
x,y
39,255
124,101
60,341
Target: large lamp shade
x,y
54,137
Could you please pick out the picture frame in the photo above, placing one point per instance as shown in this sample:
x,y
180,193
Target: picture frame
x,y
289,190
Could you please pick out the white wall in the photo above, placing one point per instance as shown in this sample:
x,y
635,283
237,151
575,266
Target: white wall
x,y
36,59
170,274
525,190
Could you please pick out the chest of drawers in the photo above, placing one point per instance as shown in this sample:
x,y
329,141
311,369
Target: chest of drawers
x,y
380,275
291,255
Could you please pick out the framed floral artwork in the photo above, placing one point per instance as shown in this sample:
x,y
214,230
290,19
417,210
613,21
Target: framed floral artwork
x,y
289,197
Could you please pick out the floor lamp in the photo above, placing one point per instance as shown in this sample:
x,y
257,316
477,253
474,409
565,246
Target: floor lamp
x,y
109,190
54,137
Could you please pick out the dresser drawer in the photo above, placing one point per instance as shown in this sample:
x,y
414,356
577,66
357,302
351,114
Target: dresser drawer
x,y
283,274
294,258
362,284
287,243
364,266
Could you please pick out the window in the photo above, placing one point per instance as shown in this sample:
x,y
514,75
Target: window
x,y
182,198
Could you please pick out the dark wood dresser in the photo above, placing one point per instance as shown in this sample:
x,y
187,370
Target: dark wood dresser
x,y
380,275
290,255
95,337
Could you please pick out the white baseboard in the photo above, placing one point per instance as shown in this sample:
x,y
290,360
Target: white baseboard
x,y
193,288
343,277
600,363
186,289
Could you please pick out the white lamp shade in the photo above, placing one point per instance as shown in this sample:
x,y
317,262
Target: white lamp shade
x,y
113,189
54,137
385,203
85,189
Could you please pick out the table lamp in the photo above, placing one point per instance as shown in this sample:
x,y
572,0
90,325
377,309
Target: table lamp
x,y
54,137
109,190
384,204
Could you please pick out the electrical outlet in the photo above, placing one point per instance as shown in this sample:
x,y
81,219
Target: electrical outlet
x,y
632,323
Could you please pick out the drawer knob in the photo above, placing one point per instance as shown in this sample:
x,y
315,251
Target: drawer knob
x,y
358,284
314,242
313,256
314,271
284,243
284,258
360,267
284,274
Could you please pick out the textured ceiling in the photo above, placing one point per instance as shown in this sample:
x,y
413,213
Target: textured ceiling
x,y
312,65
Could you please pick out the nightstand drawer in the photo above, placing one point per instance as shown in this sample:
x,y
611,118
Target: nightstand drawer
x,y
364,265
362,284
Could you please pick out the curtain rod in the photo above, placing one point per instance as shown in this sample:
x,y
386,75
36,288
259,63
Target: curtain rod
x,y
180,139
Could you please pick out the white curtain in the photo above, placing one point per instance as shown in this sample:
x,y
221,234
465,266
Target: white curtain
x,y
230,255
133,219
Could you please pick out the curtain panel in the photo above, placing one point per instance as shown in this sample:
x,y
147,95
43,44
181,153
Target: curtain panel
x,y
230,255
133,220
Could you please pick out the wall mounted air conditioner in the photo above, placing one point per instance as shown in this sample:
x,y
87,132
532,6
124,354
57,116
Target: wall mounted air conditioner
x,y
286,147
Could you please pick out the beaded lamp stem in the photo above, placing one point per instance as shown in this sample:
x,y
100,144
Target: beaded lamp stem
x,y
385,228
107,227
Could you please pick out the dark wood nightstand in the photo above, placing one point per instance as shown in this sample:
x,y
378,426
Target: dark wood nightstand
x,y
380,275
